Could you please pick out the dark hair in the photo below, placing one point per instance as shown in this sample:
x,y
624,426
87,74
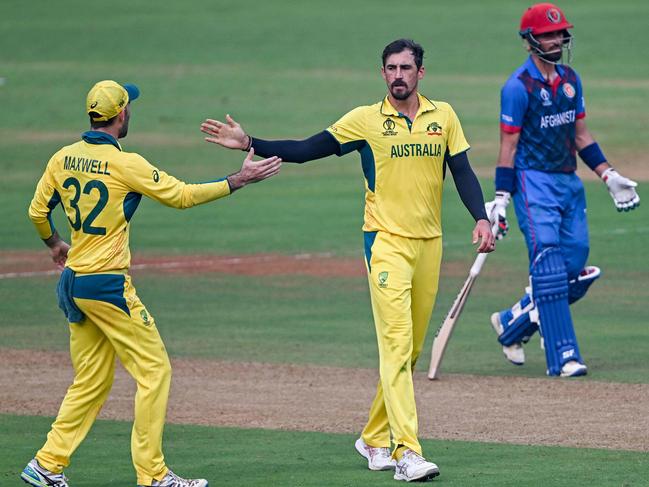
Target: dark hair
x,y
400,45
102,123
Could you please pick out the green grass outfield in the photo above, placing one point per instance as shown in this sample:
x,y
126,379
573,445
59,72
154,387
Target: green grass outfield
x,y
227,456
288,69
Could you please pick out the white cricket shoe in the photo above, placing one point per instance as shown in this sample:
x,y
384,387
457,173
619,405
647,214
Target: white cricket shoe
x,y
413,466
377,458
38,476
172,480
573,369
514,353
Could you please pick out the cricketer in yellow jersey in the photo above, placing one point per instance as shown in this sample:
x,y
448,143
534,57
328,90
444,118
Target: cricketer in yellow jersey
x,y
405,142
99,186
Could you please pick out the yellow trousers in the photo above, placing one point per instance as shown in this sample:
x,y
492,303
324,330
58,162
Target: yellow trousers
x,y
106,331
403,277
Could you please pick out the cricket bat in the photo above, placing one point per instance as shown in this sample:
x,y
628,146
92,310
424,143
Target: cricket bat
x,y
444,332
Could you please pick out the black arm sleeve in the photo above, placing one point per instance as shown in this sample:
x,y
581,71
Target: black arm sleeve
x,y
320,145
467,185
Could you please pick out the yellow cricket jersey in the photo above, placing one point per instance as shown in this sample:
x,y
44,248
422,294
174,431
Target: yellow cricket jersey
x,y
403,163
99,187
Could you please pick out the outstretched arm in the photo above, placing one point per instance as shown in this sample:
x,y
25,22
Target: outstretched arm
x,y
231,135
146,179
470,192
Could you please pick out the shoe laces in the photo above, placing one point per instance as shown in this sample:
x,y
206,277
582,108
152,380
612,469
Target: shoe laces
x,y
57,479
173,480
414,457
379,452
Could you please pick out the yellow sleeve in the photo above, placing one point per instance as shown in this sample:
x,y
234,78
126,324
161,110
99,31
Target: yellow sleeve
x,y
150,181
455,141
45,199
350,130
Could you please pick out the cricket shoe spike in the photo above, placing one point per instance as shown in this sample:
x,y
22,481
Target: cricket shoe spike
x,y
514,352
173,480
377,458
573,369
38,476
413,467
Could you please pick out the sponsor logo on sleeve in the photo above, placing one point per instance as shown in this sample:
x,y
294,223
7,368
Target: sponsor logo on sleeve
x,y
156,176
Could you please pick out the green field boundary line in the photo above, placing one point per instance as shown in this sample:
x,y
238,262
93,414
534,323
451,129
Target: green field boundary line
x,y
169,262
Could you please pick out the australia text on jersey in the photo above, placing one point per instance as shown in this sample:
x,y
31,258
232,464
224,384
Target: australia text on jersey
x,y
416,150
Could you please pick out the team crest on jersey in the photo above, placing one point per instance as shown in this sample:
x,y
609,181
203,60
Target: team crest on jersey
x,y
553,15
569,90
545,96
383,279
145,317
389,126
434,129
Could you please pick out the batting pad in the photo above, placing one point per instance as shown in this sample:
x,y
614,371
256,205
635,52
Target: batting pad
x,y
517,326
579,285
550,293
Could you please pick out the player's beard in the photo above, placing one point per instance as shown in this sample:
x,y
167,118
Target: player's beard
x,y
400,95
123,131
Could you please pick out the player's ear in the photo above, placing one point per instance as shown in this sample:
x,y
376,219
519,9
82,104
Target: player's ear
x,y
421,72
123,115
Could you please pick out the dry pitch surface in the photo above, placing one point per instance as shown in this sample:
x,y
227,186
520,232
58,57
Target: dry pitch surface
x,y
564,412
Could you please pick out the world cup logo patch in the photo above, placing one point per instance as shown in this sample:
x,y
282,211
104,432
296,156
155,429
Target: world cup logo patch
x,y
569,90
389,126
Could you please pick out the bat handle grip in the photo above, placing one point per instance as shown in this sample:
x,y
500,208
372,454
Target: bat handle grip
x,y
477,265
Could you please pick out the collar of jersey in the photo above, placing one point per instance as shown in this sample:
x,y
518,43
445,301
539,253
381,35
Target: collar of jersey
x,y
536,73
425,105
98,138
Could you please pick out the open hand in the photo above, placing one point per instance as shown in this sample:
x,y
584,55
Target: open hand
x,y
621,189
228,134
254,171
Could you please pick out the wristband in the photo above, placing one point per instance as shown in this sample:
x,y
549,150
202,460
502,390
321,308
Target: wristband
x,y
249,145
592,155
505,178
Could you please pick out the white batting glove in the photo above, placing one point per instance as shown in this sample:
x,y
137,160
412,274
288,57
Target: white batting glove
x,y
621,189
497,212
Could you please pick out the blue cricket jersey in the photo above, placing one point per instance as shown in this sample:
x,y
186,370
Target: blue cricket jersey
x,y
545,115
